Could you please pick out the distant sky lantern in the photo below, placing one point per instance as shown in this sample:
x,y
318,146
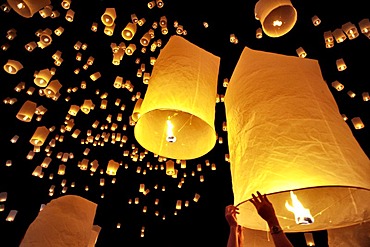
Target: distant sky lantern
x,y
45,37
341,65
87,106
315,20
129,31
170,167
53,88
277,17
66,4
357,123
145,39
27,111
30,46
130,49
364,25
159,3
109,16
27,8
109,30
39,136
112,167
151,4
188,102
136,112
259,33
70,15
42,78
301,52
337,85
339,35
13,66
350,30
285,137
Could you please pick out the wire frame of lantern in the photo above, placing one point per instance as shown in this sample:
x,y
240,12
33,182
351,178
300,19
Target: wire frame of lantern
x,y
129,31
109,16
290,142
177,116
27,111
27,8
12,66
277,17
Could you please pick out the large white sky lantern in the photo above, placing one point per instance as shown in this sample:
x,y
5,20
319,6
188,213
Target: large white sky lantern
x,y
178,111
287,139
277,17
64,221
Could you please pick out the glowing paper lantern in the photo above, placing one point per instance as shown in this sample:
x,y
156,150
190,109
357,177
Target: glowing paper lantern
x,y
178,110
39,136
112,167
27,8
129,31
65,221
287,139
109,16
12,66
277,17
42,78
27,111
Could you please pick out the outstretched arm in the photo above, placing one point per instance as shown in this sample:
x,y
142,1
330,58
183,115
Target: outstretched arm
x,y
266,210
235,235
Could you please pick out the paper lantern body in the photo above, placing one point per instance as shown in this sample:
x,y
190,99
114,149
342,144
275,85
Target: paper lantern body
x,y
27,8
277,17
285,133
27,111
182,89
65,221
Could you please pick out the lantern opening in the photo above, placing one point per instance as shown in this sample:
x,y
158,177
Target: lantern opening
x,y
302,214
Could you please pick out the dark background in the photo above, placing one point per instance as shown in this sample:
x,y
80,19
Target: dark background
x,y
201,223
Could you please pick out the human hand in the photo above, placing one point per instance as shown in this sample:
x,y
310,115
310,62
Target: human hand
x,y
264,208
230,214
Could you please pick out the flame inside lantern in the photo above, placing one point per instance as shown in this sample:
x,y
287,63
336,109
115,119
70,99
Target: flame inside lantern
x,y
302,214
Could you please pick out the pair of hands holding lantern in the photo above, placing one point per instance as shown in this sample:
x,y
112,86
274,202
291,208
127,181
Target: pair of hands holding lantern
x,y
267,212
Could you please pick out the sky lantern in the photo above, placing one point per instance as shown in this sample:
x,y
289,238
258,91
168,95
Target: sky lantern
x,y
277,17
178,110
64,221
287,139
27,8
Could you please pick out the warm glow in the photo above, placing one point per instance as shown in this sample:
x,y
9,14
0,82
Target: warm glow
x,y
302,214
20,5
277,23
170,136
